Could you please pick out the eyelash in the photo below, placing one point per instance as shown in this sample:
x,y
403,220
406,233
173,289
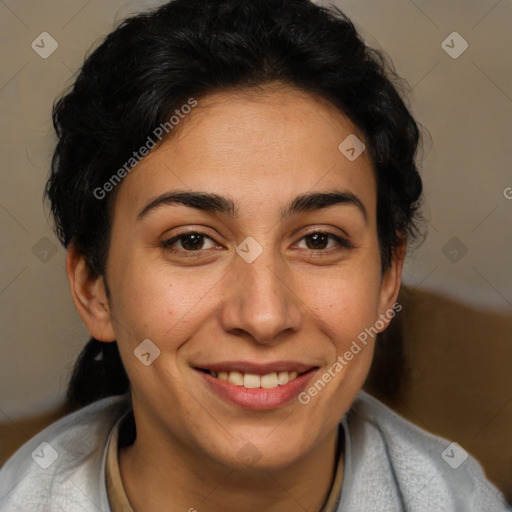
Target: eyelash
x,y
168,244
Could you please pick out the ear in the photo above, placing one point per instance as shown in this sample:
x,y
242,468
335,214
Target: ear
x,y
89,295
390,286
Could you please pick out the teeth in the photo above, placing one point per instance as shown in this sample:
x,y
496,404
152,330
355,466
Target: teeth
x,y
236,378
269,381
251,380
285,377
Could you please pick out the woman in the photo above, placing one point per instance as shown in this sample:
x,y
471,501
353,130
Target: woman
x,y
235,184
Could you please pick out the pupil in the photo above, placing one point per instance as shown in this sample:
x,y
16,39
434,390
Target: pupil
x,y
317,239
192,241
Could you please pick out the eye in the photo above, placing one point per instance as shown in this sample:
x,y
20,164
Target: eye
x,y
319,240
189,242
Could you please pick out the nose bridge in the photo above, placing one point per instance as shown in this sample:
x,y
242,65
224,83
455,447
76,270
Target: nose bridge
x,y
261,301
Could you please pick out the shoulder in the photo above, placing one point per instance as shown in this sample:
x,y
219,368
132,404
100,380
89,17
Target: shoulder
x,y
427,470
60,468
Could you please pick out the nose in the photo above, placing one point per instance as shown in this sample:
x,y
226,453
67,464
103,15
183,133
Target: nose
x,y
261,301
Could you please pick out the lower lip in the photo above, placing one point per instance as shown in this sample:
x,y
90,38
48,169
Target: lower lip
x,y
258,398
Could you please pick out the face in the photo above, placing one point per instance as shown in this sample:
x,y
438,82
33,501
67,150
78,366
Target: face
x,y
254,281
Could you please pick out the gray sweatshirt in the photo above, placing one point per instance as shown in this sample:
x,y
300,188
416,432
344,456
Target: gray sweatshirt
x,y
389,465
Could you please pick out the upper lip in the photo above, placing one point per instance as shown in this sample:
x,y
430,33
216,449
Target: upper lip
x,y
257,368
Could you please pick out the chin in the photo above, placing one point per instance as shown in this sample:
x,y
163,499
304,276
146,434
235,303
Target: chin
x,y
264,454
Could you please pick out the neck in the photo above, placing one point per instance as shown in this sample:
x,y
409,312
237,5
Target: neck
x,y
162,477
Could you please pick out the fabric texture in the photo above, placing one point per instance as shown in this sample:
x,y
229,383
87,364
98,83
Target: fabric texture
x,y
389,465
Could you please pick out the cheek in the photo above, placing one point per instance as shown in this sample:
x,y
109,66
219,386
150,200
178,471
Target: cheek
x,y
150,305
344,300
157,302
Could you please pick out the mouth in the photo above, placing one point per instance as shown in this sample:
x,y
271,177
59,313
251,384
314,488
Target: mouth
x,y
253,386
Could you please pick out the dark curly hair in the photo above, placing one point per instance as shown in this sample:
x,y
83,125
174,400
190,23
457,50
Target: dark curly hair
x,y
154,62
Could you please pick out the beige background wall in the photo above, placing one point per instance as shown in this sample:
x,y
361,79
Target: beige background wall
x,y
465,103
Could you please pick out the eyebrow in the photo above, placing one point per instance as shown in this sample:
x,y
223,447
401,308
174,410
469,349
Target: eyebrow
x,y
214,203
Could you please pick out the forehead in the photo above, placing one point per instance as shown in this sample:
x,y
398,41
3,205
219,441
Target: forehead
x,y
262,146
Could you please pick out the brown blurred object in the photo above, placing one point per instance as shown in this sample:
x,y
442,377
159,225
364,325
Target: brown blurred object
x,y
442,365
447,367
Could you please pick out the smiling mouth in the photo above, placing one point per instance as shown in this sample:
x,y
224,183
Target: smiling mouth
x,y
252,380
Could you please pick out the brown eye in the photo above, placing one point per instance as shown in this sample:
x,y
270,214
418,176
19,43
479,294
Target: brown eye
x,y
189,242
319,241
192,241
